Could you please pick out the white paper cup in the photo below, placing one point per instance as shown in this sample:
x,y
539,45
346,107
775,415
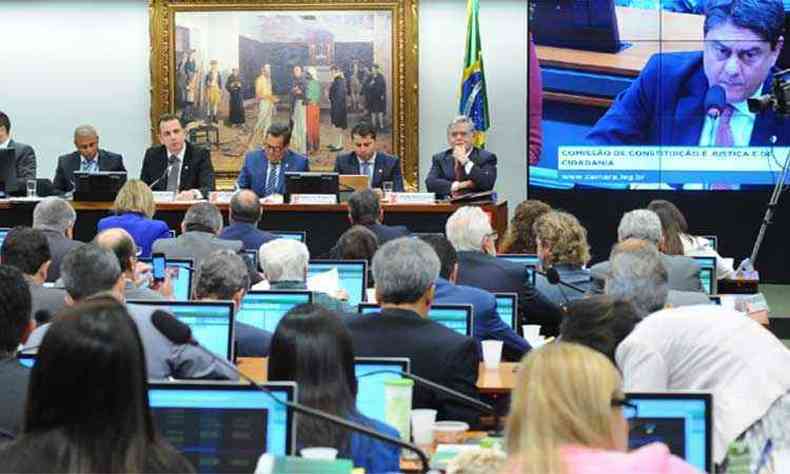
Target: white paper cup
x,y
531,331
422,421
318,453
492,353
450,432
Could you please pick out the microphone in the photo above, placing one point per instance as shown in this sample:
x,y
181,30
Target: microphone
x,y
42,317
170,163
715,101
179,333
553,276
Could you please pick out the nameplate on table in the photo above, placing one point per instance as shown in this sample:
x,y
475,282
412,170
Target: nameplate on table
x,y
313,199
413,198
164,196
222,197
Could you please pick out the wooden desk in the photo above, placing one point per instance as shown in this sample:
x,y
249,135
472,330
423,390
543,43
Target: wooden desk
x,y
256,368
497,381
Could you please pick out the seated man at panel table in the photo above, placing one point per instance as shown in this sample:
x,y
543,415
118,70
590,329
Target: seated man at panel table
x,y
405,271
55,217
365,209
365,160
88,158
264,169
138,285
244,214
462,168
177,165
665,105
92,271
24,156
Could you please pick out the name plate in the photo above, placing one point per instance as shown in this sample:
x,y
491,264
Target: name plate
x,y
413,198
222,197
313,199
164,196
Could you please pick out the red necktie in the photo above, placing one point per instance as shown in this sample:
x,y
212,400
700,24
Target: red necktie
x,y
724,131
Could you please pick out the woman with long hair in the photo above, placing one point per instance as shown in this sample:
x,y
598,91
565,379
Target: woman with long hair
x,y
87,408
312,347
520,237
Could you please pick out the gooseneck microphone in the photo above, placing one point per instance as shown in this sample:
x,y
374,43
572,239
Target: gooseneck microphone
x,y
170,163
179,333
715,101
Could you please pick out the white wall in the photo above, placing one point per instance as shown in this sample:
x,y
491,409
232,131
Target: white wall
x,y
67,62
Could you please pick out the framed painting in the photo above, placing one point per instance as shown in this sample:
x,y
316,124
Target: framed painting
x,y
231,69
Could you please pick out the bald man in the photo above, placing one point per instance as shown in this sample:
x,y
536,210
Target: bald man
x,y
87,158
245,213
135,274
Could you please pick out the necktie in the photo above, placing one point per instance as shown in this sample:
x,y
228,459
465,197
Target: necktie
x,y
89,166
271,180
172,175
459,172
724,131
366,168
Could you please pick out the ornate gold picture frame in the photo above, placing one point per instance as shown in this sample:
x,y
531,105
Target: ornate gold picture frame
x,y
229,69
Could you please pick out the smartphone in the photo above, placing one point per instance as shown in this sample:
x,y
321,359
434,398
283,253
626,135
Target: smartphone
x,y
159,262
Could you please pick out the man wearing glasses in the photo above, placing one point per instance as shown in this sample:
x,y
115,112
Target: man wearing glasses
x,y
264,170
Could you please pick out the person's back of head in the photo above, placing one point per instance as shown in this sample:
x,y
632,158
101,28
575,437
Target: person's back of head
x,y
640,224
364,207
673,224
448,257
477,461
405,270
245,207
55,214
284,260
357,243
27,250
202,217
638,274
312,347
469,229
562,240
88,270
566,394
15,321
120,243
223,275
599,322
135,196
520,236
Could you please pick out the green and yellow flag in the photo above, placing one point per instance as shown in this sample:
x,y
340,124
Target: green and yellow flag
x,y
474,98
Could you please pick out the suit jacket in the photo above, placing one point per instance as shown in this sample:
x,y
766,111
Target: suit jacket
x,y
59,246
385,233
487,322
251,341
197,172
442,174
50,300
143,230
25,166
251,236
253,174
195,245
68,164
14,378
665,105
385,168
436,353
683,273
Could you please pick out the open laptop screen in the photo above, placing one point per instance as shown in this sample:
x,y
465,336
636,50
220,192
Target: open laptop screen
x,y
352,274
265,309
181,272
458,317
370,388
507,308
707,274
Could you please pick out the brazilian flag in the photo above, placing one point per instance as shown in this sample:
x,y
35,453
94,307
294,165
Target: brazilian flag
x,y
474,99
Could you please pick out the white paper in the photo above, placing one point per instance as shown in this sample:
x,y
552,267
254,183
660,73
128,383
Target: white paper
x,y
327,282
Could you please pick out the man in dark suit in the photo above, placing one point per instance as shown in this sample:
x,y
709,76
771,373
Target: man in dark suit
x,y
364,209
55,218
378,166
24,157
264,170
177,165
665,105
88,158
462,168
405,271
245,212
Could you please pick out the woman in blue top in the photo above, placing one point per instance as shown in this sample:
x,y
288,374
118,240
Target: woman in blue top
x,y
312,347
134,208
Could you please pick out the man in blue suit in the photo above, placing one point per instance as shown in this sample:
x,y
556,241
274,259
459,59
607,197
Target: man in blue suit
x,y
365,160
487,323
665,105
244,215
264,170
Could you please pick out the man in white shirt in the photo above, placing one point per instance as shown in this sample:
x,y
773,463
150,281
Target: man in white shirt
x,y
24,158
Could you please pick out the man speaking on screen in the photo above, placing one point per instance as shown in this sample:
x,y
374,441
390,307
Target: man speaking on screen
x,y
699,98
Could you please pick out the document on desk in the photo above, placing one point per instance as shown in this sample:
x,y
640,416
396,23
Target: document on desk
x,y
327,282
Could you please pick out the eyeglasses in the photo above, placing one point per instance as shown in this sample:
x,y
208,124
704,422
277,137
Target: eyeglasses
x,y
273,149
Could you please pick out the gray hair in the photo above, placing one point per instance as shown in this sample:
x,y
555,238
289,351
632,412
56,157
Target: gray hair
x,y
404,269
467,228
85,131
284,260
638,275
222,274
461,119
642,224
203,214
88,270
53,213
364,207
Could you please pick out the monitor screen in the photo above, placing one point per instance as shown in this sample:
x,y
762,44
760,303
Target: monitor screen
x,y
251,258
531,261
714,239
265,309
211,322
507,308
352,273
682,421
181,272
370,388
707,274
3,232
457,317
28,360
301,236
224,427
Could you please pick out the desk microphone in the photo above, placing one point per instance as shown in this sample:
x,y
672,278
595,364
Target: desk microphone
x,y
179,333
715,101
170,163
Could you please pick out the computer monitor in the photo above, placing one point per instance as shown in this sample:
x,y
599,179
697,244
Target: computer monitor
x,y
370,388
265,309
99,186
301,236
9,184
211,322
458,317
352,273
171,233
530,260
3,232
707,274
713,239
577,24
27,359
507,308
311,183
681,420
181,271
224,426
251,258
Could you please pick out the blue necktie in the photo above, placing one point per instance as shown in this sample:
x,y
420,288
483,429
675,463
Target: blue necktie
x,y
271,181
366,168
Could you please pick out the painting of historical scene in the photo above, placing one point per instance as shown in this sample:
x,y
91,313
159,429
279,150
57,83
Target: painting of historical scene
x,y
237,72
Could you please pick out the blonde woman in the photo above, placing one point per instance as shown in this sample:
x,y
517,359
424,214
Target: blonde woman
x,y
134,208
566,418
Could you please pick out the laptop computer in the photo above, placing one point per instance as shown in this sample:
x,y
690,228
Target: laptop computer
x,y
3,232
301,236
181,272
352,273
28,359
507,308
458,317
211,322
265,309
9,183
681,420
224,426
251,258
99,186
370,388
707,274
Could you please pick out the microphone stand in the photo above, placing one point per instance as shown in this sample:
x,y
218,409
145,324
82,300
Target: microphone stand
x,y
769,211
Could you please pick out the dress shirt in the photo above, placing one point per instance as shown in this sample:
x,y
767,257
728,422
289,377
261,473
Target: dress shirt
x,y
5,143
90,166
741,123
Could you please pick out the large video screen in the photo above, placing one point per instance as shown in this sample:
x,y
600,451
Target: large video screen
x,y
632,96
